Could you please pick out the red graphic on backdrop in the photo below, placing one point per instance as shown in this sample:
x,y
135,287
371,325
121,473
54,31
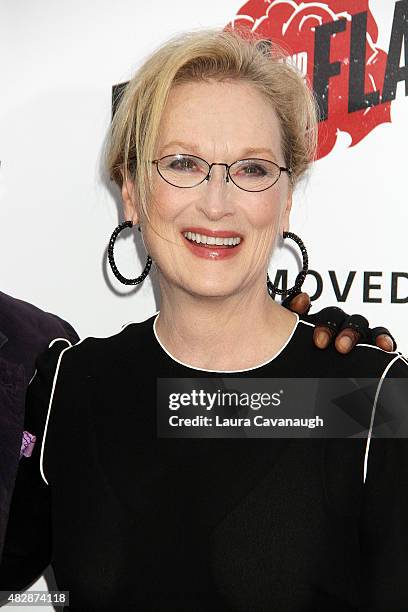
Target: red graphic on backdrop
x,y
334,44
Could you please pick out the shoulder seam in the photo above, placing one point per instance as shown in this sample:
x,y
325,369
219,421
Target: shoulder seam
x,y
56,340
54,382
377,393
404,359
49,346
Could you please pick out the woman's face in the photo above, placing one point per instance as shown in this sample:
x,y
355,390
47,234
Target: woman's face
x,y
219,122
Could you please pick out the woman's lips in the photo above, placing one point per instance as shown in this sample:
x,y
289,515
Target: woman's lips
x,y
212,251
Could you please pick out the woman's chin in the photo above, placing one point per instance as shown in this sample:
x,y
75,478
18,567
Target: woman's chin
x,y
214,290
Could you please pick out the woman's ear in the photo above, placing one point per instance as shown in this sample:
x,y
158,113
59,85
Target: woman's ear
x,y
286,214
129,202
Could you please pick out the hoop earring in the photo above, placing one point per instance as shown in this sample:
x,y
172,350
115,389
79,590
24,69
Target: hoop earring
x,y
300,277
111,259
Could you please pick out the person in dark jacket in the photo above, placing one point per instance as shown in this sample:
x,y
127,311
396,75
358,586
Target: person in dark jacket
x,y
25,332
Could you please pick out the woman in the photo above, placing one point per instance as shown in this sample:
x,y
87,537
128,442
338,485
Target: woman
x,y
144,522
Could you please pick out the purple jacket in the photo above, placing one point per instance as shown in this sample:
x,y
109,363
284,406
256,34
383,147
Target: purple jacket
x,y
25,332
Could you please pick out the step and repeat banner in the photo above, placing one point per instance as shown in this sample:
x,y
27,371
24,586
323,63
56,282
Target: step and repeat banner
x,y
61,63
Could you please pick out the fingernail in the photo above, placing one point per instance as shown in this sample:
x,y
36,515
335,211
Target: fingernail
x,y
321,337
345,343
387,340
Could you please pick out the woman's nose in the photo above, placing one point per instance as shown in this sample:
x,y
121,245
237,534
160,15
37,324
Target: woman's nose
x,y
221,170
216,199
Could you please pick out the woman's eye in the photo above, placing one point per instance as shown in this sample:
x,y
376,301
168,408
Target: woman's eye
x,y
252,170
183,164
256,170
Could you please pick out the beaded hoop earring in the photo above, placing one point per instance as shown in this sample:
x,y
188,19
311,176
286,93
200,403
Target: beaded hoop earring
x,y
111,259
300,277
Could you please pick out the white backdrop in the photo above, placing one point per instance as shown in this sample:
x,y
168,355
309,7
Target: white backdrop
x,y
59,63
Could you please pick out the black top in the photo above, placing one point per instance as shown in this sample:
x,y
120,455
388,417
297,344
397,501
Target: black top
x,y
132,521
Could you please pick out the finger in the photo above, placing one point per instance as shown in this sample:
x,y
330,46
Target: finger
x,y
330,317
346,340
382,337
300,303
353,330
384,342
322,336
289,299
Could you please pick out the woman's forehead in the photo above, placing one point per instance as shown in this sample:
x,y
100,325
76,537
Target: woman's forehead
x,y
222,115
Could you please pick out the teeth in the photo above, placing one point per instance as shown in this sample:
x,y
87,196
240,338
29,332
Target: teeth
x,y
202,239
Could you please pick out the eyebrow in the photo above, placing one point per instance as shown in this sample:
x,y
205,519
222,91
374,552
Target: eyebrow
x,y
245,152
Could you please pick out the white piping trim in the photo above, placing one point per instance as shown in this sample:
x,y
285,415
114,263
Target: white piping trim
x,y
54,382
56,340
308,323
374,346
373,414
49,346
33,376
404,359
398,355
226,371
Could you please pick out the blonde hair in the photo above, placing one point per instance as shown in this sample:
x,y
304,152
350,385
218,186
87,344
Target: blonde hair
x,y
202,55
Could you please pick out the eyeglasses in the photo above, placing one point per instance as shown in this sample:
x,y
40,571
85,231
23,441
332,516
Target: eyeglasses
x,y
186,171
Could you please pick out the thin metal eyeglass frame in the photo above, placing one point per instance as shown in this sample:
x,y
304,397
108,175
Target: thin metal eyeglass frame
x,y
227,166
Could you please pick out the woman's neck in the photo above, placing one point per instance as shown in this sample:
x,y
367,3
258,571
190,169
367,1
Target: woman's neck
x,y
234,333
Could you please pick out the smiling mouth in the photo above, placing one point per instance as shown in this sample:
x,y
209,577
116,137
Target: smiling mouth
x,y
211,242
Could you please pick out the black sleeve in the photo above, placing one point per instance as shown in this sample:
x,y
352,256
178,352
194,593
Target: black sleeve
x,y
384,517
27,546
